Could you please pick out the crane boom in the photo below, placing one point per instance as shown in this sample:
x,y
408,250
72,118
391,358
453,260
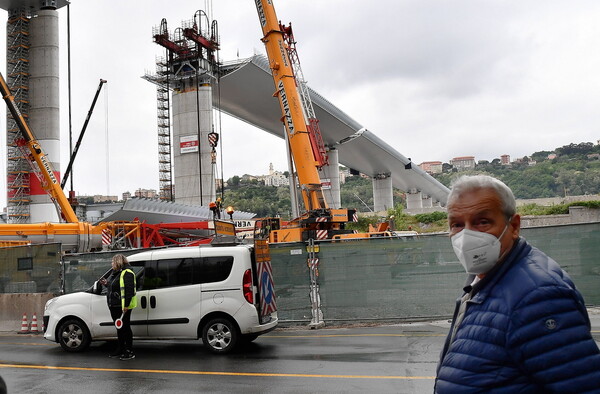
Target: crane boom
x,y
305,143
78,144
293,116
48,179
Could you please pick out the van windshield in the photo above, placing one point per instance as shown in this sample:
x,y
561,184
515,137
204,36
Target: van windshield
x,y
97,288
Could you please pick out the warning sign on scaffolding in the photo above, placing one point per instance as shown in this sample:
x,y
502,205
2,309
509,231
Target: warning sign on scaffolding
x,y
326,184
189,143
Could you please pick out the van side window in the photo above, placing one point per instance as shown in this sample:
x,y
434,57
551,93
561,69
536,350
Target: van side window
x,y
216,269
174,272
150,277
186,271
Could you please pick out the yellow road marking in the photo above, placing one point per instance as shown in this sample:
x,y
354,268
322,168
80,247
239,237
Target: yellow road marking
x,y
255,374
353,335
27,343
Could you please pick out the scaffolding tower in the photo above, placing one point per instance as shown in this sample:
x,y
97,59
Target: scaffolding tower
x,y
165,167
17,64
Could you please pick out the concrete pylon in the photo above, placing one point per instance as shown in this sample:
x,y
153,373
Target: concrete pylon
x,y
414,199
192,122
331,175
383,196
427,201
44,109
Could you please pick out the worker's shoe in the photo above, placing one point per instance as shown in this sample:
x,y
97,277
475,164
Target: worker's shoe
x,y
128,355
116,354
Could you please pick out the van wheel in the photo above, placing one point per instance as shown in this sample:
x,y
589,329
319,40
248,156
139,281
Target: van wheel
x,y
220,335
74,336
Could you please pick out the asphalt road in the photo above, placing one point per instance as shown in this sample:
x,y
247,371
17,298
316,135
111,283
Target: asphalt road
x,y
381,359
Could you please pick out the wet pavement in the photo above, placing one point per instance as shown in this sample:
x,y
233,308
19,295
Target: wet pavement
x,y
398,358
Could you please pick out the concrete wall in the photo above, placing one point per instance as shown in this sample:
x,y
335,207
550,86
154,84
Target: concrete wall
x,y
575,215
13,306
558,200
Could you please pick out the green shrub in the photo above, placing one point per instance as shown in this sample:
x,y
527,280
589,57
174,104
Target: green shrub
x,y
431,217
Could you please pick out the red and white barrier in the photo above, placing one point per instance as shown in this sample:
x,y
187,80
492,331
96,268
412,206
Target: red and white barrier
x,y
34,325
24,325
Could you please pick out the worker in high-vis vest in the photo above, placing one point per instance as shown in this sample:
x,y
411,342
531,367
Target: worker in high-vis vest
x,y
121,300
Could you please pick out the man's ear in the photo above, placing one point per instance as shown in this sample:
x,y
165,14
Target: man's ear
x,y
515,226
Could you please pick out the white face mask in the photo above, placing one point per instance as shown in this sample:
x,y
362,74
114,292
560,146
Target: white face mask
x,y
477,251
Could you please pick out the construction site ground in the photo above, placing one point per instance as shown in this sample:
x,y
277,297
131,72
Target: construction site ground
x,y
399,358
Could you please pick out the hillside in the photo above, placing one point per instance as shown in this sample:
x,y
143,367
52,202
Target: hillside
x,y
571,170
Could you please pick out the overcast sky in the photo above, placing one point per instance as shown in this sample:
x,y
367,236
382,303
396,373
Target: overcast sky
x,y
434,79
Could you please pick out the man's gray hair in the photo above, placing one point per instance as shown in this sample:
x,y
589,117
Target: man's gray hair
x,y
467,183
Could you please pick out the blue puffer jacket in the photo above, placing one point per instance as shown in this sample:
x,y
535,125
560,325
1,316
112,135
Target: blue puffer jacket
x,y
525,330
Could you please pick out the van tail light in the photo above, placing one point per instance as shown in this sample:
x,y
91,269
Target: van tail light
x,y
247,286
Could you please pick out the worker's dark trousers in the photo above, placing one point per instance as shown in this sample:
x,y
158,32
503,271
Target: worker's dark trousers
x,y
124,334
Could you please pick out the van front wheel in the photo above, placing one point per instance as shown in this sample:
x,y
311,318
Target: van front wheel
x,y
74,336
220,335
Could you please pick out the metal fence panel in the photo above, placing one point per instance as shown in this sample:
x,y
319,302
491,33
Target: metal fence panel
x,y
358,280
30,269
411,277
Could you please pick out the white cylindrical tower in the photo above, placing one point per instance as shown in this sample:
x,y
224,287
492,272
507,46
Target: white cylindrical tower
x,y
192,122
44,104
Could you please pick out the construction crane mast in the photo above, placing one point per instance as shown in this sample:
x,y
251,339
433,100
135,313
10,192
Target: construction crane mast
x,y
293,112
42,168
305,142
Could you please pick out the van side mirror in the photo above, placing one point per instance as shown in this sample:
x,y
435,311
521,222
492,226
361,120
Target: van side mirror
x,y
97,288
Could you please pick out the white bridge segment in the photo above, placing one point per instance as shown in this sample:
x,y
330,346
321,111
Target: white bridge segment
x,y
247,94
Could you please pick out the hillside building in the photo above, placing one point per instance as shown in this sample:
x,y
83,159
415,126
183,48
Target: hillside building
x,y
463,163
431,167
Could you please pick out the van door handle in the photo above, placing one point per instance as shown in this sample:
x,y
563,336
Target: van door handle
x,y
152,302
144,302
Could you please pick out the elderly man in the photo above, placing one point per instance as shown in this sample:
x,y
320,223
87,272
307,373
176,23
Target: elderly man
x,y
521,325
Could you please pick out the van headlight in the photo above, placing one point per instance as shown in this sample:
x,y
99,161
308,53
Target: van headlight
x,y
48,303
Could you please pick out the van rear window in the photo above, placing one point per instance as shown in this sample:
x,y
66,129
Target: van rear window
x,y
186,271
216,269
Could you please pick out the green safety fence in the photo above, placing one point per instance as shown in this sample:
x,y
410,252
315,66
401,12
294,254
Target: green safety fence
x,y
30,269
411,277
380,279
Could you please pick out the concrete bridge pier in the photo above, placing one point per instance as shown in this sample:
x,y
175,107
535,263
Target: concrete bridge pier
x,y
331,188
427,201
383,197
414,199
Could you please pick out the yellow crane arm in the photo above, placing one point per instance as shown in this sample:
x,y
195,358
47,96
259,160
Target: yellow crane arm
x,y
293,116
51,184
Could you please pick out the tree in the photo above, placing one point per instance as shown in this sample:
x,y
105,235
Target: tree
x,y
234,181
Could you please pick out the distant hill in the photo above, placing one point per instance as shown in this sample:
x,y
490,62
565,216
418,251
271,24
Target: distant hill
x,y
569,170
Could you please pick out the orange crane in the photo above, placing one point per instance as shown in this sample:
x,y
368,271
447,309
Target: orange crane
x,y
305,142
75,235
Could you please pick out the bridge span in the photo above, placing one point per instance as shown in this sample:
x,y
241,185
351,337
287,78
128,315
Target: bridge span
x,y
246,93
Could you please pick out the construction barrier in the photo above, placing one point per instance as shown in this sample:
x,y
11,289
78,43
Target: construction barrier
x,y
24,325
34,325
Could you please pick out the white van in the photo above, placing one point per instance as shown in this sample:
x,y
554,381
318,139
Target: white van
x,y
218,293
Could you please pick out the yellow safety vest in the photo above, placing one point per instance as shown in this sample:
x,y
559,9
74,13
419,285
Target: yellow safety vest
x,y
133,302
